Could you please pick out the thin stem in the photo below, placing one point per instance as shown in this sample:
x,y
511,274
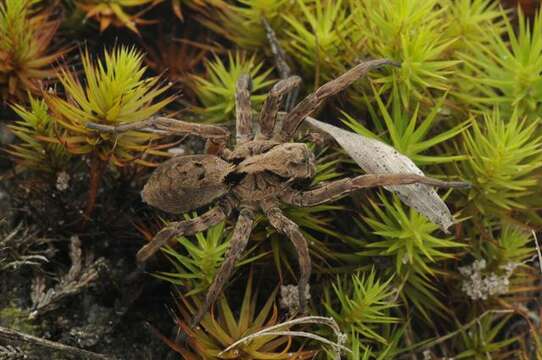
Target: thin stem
x,y
302,320
13,336
96,170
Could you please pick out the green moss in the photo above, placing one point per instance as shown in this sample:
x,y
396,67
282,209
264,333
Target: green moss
x,y
17,319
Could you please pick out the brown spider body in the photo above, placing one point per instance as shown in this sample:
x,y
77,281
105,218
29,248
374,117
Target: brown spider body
x,y
289,161
189,182
186,183
264,176
256,175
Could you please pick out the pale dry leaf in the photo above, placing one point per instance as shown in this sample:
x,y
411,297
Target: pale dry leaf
x,y
375,157
83,272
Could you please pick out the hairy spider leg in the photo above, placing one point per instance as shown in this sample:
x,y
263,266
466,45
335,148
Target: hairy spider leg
x,y
338,188
136,125
271,105
308,105
238,243
289,228
243,110
187,227
216,136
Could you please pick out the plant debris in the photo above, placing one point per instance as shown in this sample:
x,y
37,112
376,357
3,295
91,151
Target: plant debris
x,y
84,271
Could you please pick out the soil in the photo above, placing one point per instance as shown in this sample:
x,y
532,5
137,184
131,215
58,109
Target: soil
x,y
110,315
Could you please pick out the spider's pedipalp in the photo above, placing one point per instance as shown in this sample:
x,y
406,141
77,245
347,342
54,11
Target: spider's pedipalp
x,y
187,227
238,243
289,228
270,108
309,104
243,110
336,189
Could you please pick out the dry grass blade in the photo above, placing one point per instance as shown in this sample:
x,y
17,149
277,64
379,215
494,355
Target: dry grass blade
x,y
538,252
275,331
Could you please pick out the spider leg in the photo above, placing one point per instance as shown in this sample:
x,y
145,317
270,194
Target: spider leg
x,y
308,105
336,189
145,125
289,228
270,108
238,243
187,227
243,109
216,136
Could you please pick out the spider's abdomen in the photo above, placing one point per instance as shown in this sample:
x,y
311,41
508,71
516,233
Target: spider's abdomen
x,y
186,183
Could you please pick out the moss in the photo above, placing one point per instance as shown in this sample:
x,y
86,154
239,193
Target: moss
x,y
17,319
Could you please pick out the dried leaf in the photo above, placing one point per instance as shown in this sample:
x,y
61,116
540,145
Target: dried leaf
x,y
375,157
83,272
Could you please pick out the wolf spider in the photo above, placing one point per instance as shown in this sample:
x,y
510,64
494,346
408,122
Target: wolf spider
x,y
257,175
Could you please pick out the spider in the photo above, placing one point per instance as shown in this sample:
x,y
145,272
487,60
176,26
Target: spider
x,y
258,174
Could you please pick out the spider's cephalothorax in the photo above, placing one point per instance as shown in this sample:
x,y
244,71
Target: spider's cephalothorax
x,y
256,175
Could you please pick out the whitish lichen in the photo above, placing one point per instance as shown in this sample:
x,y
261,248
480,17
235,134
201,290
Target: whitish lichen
x,y
479,284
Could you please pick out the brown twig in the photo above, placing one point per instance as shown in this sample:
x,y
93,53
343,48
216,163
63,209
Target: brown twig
x,y
281,62
97,167
13,336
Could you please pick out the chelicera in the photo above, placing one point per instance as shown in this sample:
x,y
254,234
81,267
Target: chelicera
x,y
258,174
